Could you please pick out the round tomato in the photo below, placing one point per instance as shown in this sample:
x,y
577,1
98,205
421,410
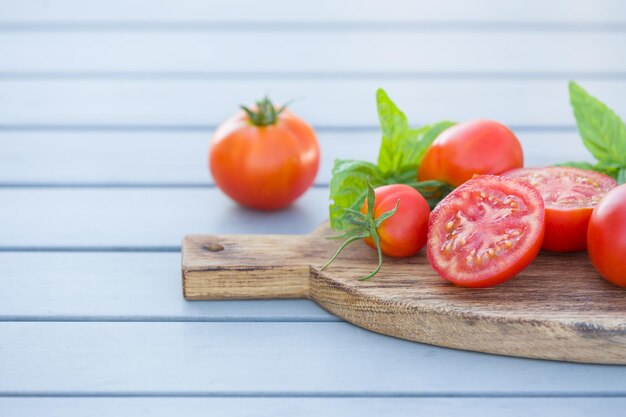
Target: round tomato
x,y
606,239
569,195
486,231
264,158
476,147
404,233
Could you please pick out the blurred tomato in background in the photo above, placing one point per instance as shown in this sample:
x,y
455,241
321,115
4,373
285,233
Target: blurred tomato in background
x,y
264,157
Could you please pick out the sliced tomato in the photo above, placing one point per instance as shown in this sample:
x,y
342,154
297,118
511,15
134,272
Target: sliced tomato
x,y
486,231
569,194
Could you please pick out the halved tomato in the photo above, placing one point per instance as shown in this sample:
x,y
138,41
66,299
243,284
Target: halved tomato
x,y
569,194
486,231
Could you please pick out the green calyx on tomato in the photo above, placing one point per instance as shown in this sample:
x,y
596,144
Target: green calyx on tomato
x,y
365,226
602,131
393,220
265,114
401,151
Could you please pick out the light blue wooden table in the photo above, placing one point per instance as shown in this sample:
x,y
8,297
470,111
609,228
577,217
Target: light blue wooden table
x,y
106,109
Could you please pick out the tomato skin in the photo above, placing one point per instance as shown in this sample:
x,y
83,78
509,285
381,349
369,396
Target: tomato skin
x,y
606,238
484,214
474,147
566,230
404,233
264,167
566,224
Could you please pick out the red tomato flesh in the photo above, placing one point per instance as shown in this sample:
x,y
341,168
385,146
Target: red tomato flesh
x,y
569,195
486,231
607,236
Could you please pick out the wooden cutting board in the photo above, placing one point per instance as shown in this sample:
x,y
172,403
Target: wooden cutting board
x,y
558,308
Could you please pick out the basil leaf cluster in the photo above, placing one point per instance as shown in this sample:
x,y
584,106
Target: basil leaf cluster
x,y
401,151
602,131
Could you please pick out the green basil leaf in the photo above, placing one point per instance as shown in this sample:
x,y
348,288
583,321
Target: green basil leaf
x,y
402,148
610,169
601,130
348,188
607,169
407,175
581,165
621,176
395,131
433,191
424,137
401,151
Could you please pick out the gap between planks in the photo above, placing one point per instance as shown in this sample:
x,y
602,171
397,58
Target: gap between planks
x,y
336,394
310,75
410,26
166,319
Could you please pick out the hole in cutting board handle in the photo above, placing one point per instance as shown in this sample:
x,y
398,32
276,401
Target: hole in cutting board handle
x,y
214,247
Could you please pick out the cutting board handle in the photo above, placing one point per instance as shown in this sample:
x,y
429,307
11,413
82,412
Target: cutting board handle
x,y
245,267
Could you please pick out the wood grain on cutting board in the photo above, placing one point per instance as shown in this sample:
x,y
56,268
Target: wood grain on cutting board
x,y
558,308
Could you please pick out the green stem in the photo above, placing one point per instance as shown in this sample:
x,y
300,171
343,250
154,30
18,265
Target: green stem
x,y
342,247
380,257
369,226
265,113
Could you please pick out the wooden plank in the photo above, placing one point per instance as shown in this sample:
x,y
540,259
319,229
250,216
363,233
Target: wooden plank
x,y
139,217
45,157
314,407
121,287
268,359
322,10
202,104
395,51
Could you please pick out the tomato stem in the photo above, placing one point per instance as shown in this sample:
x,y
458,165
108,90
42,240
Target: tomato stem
x,y
265,113
366,225
342,247
376,239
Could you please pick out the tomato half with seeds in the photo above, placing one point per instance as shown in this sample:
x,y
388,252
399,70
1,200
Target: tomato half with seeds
x,y
486,231
569,195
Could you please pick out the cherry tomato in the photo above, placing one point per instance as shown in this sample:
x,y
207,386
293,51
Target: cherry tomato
x,y
606,238
486,231
475,147
569,195
404,233
264,158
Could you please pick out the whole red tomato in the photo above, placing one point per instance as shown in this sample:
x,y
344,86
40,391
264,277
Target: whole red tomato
x,y
264,157
486,231
606,237
393,220
475,147
404,233
569,195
